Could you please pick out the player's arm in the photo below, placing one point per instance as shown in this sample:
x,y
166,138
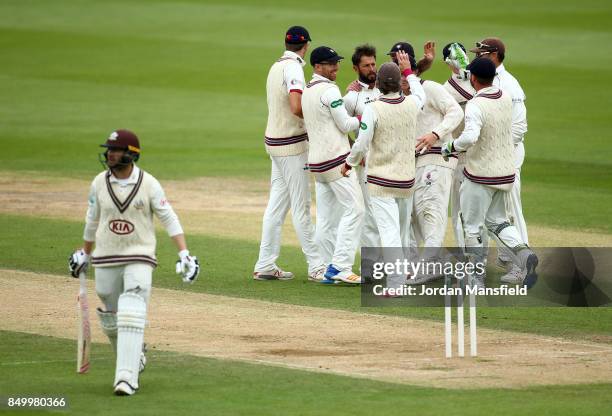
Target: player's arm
x,y
362,144
295,103
429,54
452,113
417,93
78,261
471,132
294,81
187,265
333,100
519,118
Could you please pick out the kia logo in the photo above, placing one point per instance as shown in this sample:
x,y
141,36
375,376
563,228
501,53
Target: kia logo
x,y
121,227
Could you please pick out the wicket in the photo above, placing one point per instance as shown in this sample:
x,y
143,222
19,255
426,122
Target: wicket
x,y
448,338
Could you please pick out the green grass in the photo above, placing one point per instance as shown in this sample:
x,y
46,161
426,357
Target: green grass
x,y
189,78
227,267
186,385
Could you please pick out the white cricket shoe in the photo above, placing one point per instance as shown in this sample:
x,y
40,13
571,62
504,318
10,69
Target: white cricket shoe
x,y
318,275
515,276
503,264
274,274
347,276
124,389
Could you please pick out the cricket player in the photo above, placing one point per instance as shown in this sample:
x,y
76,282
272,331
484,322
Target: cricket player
x,y
437,120
119,222
489,172
340,206
495,50
419,67
286,142
459,87
387,137
355,101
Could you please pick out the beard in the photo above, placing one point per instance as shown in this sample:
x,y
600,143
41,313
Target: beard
x,y
366,78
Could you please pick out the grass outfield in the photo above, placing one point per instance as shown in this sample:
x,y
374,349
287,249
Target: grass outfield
x,y
186,385
227,266
189,78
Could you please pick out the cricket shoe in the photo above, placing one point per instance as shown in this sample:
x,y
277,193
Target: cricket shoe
x,y
422,278
515,276
124,389
318,275
346,276
274,274
503,264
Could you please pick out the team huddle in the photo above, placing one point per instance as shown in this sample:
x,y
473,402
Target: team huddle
x,y
418,146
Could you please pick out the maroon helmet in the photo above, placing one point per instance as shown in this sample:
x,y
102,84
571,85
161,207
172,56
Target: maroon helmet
x,y
123,140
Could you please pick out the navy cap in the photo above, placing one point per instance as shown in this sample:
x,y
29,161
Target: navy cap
x,y
297,35
482,68
402,46
446,50
324,54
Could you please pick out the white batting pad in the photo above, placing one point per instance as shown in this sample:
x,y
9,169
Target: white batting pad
x,y
131,318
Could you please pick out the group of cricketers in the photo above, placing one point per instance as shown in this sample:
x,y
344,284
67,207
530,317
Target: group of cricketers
x,y
418,146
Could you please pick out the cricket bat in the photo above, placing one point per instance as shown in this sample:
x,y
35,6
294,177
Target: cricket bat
x,y
84,338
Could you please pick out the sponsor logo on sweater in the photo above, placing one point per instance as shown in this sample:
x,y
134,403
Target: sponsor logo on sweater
x,y
121,227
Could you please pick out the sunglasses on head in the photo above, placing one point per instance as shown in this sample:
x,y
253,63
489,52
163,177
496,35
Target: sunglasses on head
x,y
296,38
489,48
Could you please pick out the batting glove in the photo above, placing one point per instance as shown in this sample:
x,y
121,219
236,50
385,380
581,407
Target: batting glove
x,y
187,266
78,262
447,149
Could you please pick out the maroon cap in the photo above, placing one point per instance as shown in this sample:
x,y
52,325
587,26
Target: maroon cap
x,y
123,139
490,45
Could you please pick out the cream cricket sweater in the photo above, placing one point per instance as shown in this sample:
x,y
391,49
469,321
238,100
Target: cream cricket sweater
x,y
327,123
490,159
120,218
285,132
440,115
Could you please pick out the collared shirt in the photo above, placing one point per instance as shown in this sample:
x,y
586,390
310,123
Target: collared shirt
x,y
507,82
362,144
160,205
332,99
293,76
356,101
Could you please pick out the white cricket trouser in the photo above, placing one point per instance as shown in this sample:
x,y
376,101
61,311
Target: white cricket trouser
x,y
340,212
430,204
369,230
484,208
455,201
111,282
514,207
289,188
392,217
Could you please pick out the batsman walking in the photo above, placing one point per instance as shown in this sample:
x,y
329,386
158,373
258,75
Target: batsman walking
x,y
119,221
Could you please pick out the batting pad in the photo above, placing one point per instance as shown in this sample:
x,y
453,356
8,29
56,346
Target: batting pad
x,y
131,318
108,322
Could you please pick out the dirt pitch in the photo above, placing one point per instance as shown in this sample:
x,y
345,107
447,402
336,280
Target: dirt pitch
x,y
213,206
394,349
